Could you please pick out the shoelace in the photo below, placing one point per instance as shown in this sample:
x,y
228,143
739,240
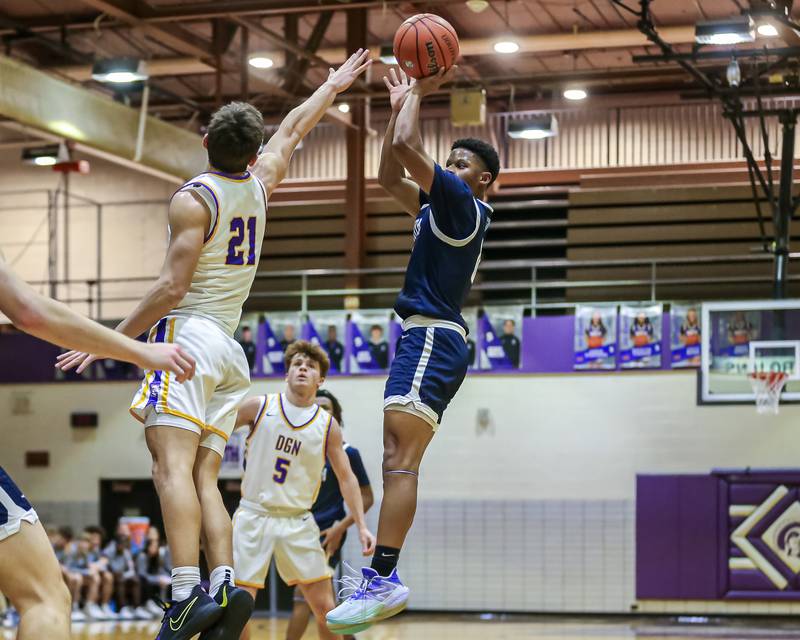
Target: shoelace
x,y
166,606
354,586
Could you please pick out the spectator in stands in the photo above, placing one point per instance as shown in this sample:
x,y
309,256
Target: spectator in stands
x,y
248,346
471,352
81,562
288,336
61,539
154,566
378,347
510,342
334,348
99,563
126,581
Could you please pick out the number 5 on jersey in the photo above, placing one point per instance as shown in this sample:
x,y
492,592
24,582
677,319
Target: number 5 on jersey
x,y
281,469
235,250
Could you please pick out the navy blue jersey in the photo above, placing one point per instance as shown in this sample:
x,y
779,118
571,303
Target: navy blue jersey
x,y
448,239
329,506
13,505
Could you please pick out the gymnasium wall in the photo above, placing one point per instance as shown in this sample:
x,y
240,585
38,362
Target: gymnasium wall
x,y
562,451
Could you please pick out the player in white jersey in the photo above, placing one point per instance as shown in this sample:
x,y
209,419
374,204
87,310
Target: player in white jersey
x,y
290,439
29,573
216,222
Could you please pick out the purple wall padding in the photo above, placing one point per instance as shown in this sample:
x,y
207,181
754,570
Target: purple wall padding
x,y
677,537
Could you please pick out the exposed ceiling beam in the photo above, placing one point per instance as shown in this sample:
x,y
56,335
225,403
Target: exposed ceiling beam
x,y
155,68
168,35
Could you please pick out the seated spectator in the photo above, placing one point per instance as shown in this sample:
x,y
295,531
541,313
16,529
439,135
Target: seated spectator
x,y
126,581
61,539
80,562
155,571
99,563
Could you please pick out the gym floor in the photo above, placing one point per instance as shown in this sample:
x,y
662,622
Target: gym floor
x,y
472,627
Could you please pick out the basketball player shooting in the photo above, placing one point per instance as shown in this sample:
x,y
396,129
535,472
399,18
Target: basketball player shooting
x,y
431,361
29,573
216,223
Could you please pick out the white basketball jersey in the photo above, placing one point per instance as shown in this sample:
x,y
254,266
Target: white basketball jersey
x,y
284,461
228,262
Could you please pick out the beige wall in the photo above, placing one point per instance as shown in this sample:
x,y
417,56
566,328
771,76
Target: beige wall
x,y
553,437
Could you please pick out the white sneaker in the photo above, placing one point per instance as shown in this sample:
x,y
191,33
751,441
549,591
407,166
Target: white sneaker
x,y
78,616
126,613
93,611
108,612
154,609
375,598
143,613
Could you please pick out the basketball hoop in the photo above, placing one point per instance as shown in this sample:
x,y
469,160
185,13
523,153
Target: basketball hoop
x,y
767,387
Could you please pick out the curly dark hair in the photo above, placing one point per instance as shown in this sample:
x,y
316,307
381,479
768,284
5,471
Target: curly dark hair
x,y
484,151
337,407
235,135
311,351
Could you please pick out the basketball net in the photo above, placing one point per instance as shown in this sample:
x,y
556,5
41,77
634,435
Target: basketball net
x,y
767,387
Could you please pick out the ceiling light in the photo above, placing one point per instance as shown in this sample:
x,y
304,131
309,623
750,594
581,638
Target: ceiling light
x,y
45,155
506,46
767,30
344,107
734,73
260,62
533,128
733,31
119,70
477,6
575,94
387,55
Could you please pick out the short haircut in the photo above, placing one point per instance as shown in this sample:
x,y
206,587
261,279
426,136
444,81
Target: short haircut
x,y
484,151
66,533
235,135
337,407
376,327
312,351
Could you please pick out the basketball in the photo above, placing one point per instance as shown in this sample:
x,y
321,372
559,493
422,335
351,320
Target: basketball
x,y
424,44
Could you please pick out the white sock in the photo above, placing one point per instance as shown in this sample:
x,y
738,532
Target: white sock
x,y
220,576
184,579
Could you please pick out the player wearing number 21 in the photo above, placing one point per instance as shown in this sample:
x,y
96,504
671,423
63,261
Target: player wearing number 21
x,y
217,222
289,441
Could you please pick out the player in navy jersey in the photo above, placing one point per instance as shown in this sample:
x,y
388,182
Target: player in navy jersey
x,y
30,575
329,514
451,220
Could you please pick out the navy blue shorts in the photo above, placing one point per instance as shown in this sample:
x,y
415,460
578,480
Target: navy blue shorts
x,y
14,507
427,371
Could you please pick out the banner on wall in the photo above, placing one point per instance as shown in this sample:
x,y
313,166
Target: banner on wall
x,y
327,329
276,332
368,341
685,330
499,330
245,335
233,459
138,526
595,337
470,316
640,336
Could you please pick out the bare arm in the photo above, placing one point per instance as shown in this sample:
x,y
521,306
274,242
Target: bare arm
x,y
407,143
248,412
273,162
188,222
391,174
55,322
348,485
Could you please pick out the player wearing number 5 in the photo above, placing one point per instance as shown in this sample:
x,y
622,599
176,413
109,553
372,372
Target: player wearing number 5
x,y
216,225
290,439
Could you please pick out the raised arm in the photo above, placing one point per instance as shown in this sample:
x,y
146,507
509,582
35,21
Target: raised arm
x,y
55,322
407,144
348,485
189,220
273,162
391,174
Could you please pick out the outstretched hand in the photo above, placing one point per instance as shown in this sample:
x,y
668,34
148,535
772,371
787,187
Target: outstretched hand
x,y
431,84
341,79
398,85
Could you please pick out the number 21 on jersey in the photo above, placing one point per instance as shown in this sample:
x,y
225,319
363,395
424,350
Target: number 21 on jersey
x,y
235,250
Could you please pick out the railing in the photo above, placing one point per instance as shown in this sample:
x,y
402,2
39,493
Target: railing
x,y
521,291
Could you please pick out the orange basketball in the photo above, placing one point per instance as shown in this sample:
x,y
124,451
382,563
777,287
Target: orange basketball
x,y
424,44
